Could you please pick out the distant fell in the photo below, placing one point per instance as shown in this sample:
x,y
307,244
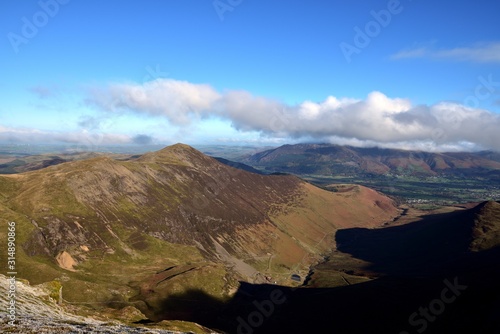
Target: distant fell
x,y
328,159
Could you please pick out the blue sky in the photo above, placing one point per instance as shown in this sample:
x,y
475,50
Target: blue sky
x,y
423,74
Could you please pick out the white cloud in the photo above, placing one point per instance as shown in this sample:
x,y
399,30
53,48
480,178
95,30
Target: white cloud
x,y
481,53
176,100
376,120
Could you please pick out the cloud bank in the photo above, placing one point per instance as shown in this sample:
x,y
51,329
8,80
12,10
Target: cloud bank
x,y
377,120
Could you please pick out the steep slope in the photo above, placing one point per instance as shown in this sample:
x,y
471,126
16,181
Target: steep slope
x,y
378,279
425,244
486,231
141,230
238,165
327,159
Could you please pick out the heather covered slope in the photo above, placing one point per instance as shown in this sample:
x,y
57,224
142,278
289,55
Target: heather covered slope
x,y
486,231
422,273
378,279
328,159
134,232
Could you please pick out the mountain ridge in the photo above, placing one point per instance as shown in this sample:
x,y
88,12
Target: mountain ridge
x,y
178,235
204,224
330,158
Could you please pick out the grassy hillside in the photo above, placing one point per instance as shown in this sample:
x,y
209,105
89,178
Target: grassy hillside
x,y
140,231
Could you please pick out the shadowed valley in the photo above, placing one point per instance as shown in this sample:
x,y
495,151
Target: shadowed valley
x,y
140,231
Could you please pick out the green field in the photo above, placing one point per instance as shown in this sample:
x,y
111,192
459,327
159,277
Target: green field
x,y
422,191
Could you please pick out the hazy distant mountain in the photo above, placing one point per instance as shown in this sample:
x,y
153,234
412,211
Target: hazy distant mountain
x,y
328,159
24,163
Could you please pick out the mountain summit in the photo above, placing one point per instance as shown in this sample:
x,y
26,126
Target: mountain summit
x,y
170,219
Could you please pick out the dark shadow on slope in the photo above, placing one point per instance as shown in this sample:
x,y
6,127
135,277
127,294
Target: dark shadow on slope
x,y
379,306
426,247
192,305
425,266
